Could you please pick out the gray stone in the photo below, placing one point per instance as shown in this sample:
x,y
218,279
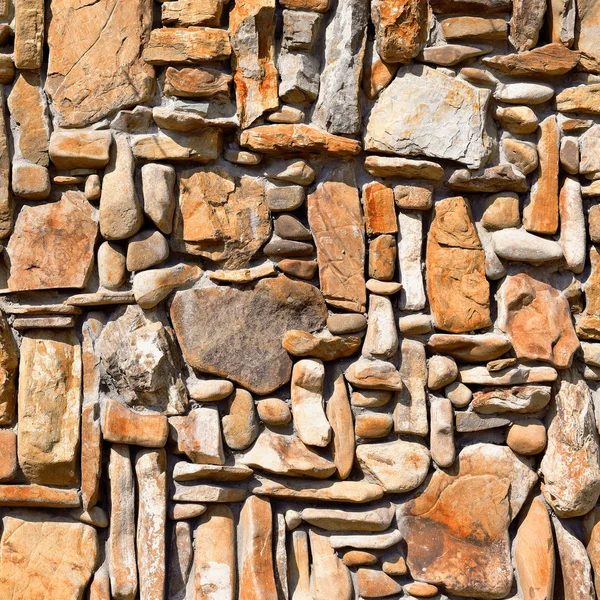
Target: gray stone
x,y
299,74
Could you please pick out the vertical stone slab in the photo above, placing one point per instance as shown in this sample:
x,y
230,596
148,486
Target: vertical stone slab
x,y
331,577
410,242
410,413
587,32
6,200
214,560
181,558
540,215
49,406
339,415
150,470
252,33
255,551
299,566
9,362
121,533
29,33
336,220
338,108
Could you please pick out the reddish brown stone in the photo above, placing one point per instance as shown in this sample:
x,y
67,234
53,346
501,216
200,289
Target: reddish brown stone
x,y
125,426
378,203
382,257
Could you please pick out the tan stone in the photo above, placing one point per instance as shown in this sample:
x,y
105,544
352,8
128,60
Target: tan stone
x,y
45,556
449,55
150,467
146,249
298,139
198,435
470,348
208,493
339,415
181,553
6,200
552,59
591,533
8,454
273,412
522,399
517,119
377,74
29,33
219,219
372,583
214,558
588,19
203,146
501,211
49,393
455,513
112,270
121,536
395,565
196,82
400,29
526,436
458,289
373,425
81,149
240,426
30,181
186,45
122,425
589,324
184,13
581,99
474,28
538,321
382,257
186,471
357,558
408,168
9,361
331,577
336,220
94,65
151,287
252,32
302,343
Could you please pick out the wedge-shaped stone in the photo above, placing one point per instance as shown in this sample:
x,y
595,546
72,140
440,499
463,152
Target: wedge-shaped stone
x,y
53,245
394,127
537,318
297,139
333,519
373,583
331,578
458,289
470,348
336,220
94,65
397,466
125,426
214,557
153,286
49,393
286,455
455,512
571,463
255,555
186,45
208,320
327,491
45,556
553,59
252,32
339,415
526,399
499,178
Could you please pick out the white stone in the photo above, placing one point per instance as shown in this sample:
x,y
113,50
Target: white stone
x,y
381,340
572,225
410,247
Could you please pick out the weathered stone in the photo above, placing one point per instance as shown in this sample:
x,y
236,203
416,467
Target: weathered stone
x,y
335,218
520,245
182,512
374,374
81,149
30,181
501,211
470,348
202,146
52,246
252,31
196,82
339,324
459,291
416,324
394,127
382,257
442,371
589,142
527,399
443,452
46,555
286,455
273,412
338,108
277,248
523,93
369,425
184,13
538,321
372,583
581,99
371,541
141,361
29,33
198,435
120,209
331,578
382,463
589,324
289,197
381,340
553,59
100,70
181,553
150,466
410,413
357,558
376,519
240,427
290,228
523,155
467,421
151,287
93,188
208,493
449,55
410,242
413,197
517,119
9,361
302,343
158,183
586,31
244,275
456,505
208,323
219,219
572,225
300,29
297,139
378,203
391,166
49,392
474,28
8,454
146,249
299,77
112,270
122,425
527,436
214,556
121,536
299,566
186,471
186,45
502,177
339,415
571,463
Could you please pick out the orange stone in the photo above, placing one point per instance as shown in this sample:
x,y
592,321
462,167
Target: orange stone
x,y
378,203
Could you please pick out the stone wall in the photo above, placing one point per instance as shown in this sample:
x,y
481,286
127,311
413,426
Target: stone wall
x,y
300,300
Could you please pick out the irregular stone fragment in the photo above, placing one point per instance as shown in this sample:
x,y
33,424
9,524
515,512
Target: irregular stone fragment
x,y
205,319
151,287
252,31
151,478
378,203
501,211
327,491
581,99
120,209
394,127
331,578
458,289
382,462
186,471
178,512
502,177
286,455
31,565
518,375
196,82
290,228
477,28
100,70
410,413
549,60
158,182
299,567
335,218
297,139
371,541
125,426
382,257
518,244
302,343
589,163
571,463
589,324
470,348
9,361
300,29
198,435
338,108
299,77
30,181
184,13
452,54
586,31
240,427
277,248
561,21
470,6
376,519
49,392
373,583
52,246
255,557
538,321
289,197
572,225
526,23
81,149
186,45
8,454
523,155
202,146
467,421
442,432
121,536
456,505
214,557
374,374
208,493
529,399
